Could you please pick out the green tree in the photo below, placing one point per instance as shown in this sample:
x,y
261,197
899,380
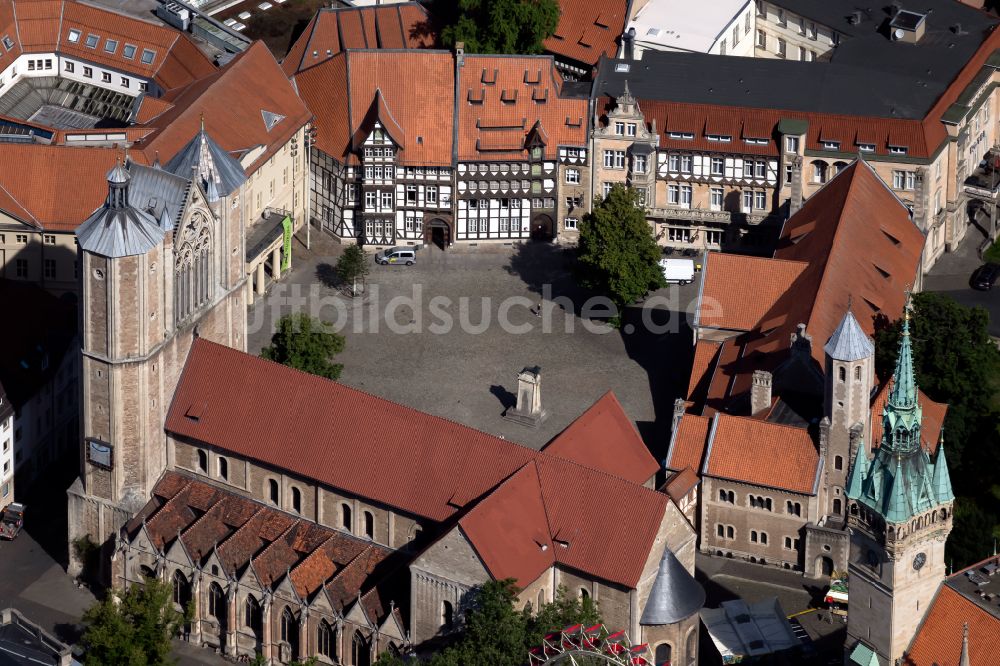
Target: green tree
x,y
306,343
133,628
497,26
957,363
353,266
617,254
564,611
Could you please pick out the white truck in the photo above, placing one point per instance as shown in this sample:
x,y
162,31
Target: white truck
x,y
677,271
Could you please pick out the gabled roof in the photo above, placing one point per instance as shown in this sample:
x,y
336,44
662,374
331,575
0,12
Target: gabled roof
x,y
502,97
939,637
398,87
429,466
588,30
403,25
254,78
510,531
204,160
762,453
603,437
688,442
731,301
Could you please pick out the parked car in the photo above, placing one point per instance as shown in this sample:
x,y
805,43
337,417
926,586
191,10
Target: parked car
x,y
11,521
985,276
677,271
396,255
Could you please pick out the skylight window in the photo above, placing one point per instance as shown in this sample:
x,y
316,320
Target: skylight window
x,y
110,45
622,67
129,51
92,41
74,36
147,56
8,43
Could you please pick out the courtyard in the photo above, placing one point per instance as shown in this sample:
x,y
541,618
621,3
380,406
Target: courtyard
x,y
449,335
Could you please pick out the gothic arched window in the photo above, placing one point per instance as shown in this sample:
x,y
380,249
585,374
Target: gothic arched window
x,y
193,274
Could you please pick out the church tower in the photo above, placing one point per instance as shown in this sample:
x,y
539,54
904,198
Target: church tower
x,y
161,261
850,375
900,515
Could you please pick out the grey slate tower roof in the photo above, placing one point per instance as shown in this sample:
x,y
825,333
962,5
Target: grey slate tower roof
x,y
675,594
118,229
849,342
159,193
203,159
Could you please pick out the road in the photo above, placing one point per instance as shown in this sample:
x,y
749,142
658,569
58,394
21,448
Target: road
x,y
951,275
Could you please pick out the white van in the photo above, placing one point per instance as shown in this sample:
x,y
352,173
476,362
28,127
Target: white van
x,y
677,271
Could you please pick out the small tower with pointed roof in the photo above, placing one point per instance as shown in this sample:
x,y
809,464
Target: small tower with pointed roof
x,y
850,375
900,515
670,618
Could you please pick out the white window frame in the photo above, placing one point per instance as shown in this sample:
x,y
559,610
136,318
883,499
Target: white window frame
x,y
716,195
573,176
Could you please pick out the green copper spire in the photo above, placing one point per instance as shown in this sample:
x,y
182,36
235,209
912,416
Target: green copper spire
x,y
859,470
897,509
941,480
902,416
904,390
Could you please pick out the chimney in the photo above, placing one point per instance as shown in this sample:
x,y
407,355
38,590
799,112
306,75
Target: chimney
x,y
628,44
528,410
801,342
460,53
760,392
795,198
678,414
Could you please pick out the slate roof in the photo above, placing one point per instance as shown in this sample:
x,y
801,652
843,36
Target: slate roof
x,y
675,594
245,533
588,31
118,229
403,25
849,342
202,158
783,457
157,192
431,467
604,437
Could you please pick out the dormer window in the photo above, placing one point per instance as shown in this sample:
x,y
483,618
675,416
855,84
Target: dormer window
x,y
866,147
724,138
74,36
622,67
897,150
831,145
92,41
681,135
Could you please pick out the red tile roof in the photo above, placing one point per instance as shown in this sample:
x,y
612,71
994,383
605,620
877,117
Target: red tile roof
x,y
501,98
930,429
706,354
254,78
681,483
604,438
411,84
731,301
860,248
28,183
428,466
762,453
404,25
687,445
939,638
588,30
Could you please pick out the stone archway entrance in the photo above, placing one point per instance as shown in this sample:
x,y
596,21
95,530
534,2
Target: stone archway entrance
x,y
543,228
824,567
437,232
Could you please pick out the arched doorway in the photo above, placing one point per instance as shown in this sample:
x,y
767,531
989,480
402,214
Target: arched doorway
x,y
542,228
437,232
824,566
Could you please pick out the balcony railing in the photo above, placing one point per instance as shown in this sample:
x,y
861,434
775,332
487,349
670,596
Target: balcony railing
x,y
706,215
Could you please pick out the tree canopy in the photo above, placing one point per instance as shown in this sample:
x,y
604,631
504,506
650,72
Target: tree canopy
x,y
618,256
495,633
957,363
497,26
353,266
133,628
305,343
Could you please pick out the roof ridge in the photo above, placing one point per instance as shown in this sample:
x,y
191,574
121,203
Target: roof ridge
x,y
759,421
23,207
239,530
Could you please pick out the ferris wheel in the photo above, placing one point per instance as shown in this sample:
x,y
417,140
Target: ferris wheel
x,y
577,645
